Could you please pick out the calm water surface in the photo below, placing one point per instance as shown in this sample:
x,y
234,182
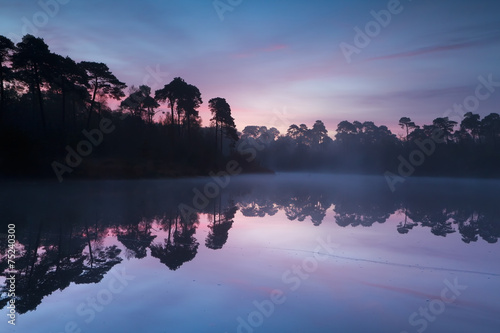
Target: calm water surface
x,y
281,253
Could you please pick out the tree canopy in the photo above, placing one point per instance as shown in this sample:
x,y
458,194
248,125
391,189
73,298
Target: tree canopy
x,y
55,118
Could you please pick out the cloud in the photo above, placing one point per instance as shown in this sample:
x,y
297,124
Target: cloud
x,y
456,42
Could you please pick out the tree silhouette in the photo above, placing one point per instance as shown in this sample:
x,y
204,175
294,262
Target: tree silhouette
x,y
345,131
222,119
405,226
445,125
319,134
101,262
101,82
172,93
69,78
471,124
260,133
302,205
32,62
188,103
219,228
150,104
135,239
140,103
406,122
65,96
179,247
6,49
490,128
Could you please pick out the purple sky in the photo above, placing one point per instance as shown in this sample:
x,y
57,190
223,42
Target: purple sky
x,y
281,62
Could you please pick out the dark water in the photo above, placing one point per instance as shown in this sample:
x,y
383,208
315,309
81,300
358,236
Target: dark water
x,y
283,253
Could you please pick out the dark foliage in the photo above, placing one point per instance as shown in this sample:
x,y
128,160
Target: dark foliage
x,y
55,120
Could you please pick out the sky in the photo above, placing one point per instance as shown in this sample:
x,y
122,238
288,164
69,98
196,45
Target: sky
x,y
281,62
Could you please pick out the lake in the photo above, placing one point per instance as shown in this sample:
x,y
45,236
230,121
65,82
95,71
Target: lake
x,y
254,253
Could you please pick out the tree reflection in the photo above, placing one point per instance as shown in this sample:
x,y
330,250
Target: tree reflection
x,y
303,205
179,246
473,224
51,258
136,238
68,235
298,205
434,216
258,207
405,226
219,228
446,210
362,211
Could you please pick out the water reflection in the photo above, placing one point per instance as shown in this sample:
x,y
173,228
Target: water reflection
x,y
62,229
179,246
220,225
52,255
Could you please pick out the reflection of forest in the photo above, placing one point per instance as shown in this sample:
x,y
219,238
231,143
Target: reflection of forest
x,y
62,235
444,207
51,255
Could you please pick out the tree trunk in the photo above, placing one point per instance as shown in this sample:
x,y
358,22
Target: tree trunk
x,y
172,124
63,90
169,229
33,101
216,130
35,255
220,206
215,221
2,94
189,131
73,111
92,104
172,111
40,98
90,246
59,246
221,139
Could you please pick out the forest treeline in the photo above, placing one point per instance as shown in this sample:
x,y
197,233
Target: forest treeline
x,y
470,148
55,121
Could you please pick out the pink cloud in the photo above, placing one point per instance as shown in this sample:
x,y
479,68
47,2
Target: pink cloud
x,y
440,48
